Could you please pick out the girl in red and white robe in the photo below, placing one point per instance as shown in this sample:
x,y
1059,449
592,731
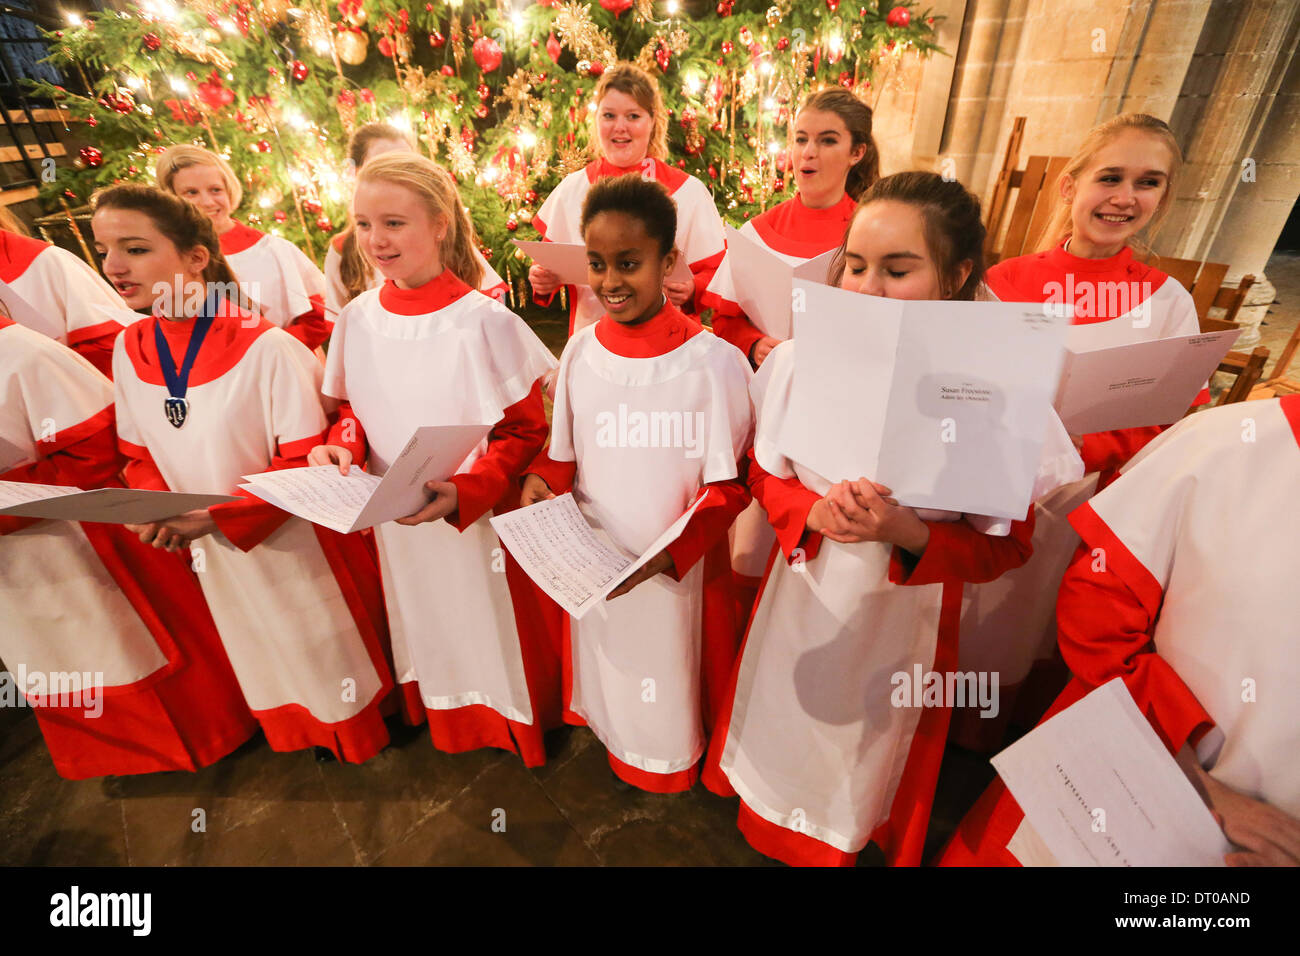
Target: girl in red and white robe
x,y
151,688
860,593
630,120
277,277
73,304
833,161
470,640
1123,172
646,670
1180,589
298,607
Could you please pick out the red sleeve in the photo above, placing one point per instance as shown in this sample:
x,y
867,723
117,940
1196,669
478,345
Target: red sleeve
x,y
1105,615
723,502
512,444
703,271
787,503
98,351
738,330
1107,452
311,328
558,475
957,552
248,523
346,432
141,471
83,456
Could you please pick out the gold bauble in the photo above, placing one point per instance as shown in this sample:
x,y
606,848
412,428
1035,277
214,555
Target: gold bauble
x,y
357,19
773,16
524,215
274,11
351,47
211,36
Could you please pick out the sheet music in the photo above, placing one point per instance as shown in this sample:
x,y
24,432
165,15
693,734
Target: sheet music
x,y
764,281
106,505
24,313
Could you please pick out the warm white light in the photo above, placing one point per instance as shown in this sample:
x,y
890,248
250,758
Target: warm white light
x,y
774,147
765,68
135,82
490,174
74,20
691,84
401,121
673,7
836,43
266,202
229,26
527,139
591,105
769,104
180,86
517,19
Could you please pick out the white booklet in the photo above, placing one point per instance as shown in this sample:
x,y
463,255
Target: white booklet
x,y
568,260
947,403
764,281
107,505
1100,789
359,500
1139,384
567,558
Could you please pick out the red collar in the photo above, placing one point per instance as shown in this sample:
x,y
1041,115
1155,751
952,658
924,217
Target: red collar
x,y
239,239
17,252
1290,405
337,241
793,229
670,177
1058,258
232,333
436,294
660,334
5,322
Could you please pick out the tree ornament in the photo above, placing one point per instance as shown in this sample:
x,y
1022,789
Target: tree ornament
x,y
713,172
531,195
263,146
525,215
662,57
312,207
90,156
273,11
773,16
324,224
553,48
481,111
512,224
385,46
832,5
726,48
746,38
487,54
596,68
151,42
483,92
92,122
899,17
279,215
724,8
447,70
783,44
353,12
617,7
351,46
437,40
681,164
846,79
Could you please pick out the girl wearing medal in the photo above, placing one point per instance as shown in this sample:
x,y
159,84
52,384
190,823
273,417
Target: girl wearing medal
x,y
470,632
207,393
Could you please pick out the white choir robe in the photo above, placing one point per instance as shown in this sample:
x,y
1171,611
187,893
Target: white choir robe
x,y
1009,625
69,295
700,236
298,606
337,296
1181,589
281,280
470,644
812,740
648,669
89,610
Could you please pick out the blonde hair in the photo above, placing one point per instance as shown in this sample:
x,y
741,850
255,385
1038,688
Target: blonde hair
x,y
11,222
1059,225
176,158
436,190
631,80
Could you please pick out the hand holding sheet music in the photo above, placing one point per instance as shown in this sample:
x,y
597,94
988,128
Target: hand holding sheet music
x,y
104,505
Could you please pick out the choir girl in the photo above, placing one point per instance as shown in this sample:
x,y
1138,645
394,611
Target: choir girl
x,y
862,588
645,671
1115,189
284,283
347,274
76,306
471,644
1186,602
110,637
630,133
207,393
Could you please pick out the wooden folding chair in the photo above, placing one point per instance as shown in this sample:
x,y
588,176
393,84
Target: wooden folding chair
x,y
1035,197
1280,384
1204,280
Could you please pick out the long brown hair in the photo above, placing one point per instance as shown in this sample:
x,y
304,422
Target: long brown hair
x,y
11,222
1059,225
857,119
630,79
953,231
354,271
436,190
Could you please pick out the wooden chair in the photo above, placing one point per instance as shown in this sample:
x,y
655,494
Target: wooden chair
x,y
1280,384
1035,195
1204,280
1247,368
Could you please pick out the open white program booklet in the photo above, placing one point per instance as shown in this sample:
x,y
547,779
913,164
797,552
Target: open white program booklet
x,y
1100,789
358,500
106,505
567,558
568,260
945,402
764,281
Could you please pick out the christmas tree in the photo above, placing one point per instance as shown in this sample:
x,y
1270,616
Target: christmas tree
x,y
497,92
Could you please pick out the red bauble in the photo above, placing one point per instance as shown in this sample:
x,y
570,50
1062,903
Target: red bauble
x,y
717,127
487,253
91,157
437,40
483,92
899,17
298,70
681,164
279,215
481,111
151,42
487,54
512,224
447,70
713,173
727,47
92,122
312,207
724,8
616,7
263,146
832,5
846,79
385,46
324,224
596,68
531,195
553,48
783,43
662,56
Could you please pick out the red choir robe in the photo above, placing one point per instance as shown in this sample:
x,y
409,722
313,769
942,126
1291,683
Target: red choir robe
x,y
700,236
792,231
280,278
810,737
472,639
75,305
1010,625
299,607
679,630
1190,596
91,599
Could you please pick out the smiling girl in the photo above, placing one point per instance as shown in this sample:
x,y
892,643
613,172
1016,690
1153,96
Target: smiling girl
x,y
646,671
862,589
205,396
1116,187
630,131
278,276
470,643
347,273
